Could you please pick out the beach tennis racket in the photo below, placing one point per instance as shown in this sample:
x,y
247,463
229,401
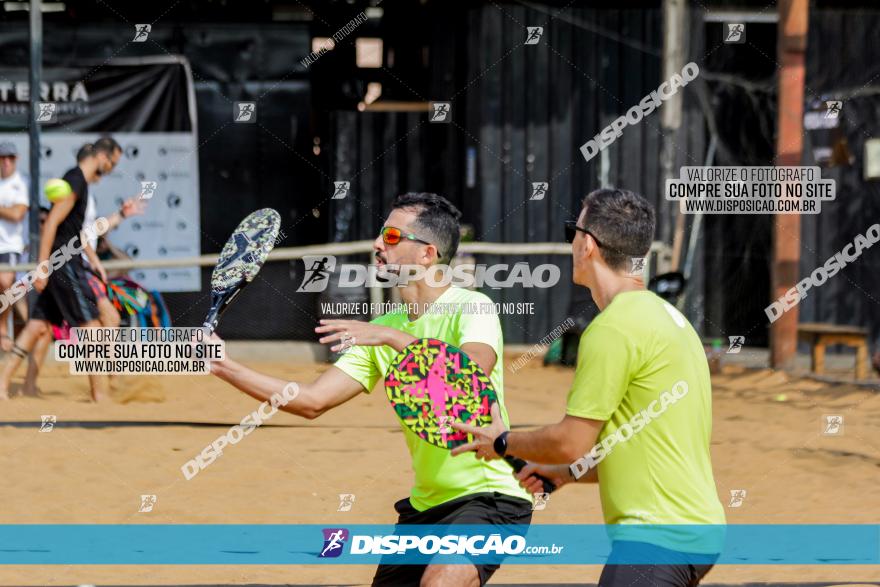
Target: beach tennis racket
x,y
241,260
431,384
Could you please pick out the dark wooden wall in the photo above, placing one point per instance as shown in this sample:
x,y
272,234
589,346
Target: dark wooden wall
x,y
525,110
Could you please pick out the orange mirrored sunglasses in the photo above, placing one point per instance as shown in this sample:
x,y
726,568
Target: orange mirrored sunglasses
x,y
392,235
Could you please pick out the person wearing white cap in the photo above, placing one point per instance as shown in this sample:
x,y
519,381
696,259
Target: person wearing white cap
x,y
13,209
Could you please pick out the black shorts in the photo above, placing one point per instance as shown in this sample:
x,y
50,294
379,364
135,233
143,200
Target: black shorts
x,y
67,297
9,258
480,508
672,569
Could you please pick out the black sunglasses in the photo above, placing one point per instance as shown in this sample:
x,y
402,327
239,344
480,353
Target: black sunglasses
x,y
571,229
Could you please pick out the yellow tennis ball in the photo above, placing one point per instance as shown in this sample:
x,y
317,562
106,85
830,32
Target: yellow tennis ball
x,y
57,189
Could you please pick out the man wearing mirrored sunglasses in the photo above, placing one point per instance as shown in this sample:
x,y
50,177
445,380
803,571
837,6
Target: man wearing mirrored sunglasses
x,y
421,231
639,413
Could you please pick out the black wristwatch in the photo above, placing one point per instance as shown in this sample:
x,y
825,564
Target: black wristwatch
x,y
500,444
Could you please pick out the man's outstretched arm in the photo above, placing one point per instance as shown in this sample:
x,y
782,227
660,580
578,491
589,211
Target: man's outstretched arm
x,y
334,386
561,443
331,389
342,333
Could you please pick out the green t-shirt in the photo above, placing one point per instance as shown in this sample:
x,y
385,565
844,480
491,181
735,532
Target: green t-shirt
x,y
642,369
440,477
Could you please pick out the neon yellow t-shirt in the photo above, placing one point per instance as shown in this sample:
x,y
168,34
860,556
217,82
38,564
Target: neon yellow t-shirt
x,y
631,362
440,477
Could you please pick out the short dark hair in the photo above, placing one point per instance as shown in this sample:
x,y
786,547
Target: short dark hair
x,y
623,221
86,151
437,217
107,145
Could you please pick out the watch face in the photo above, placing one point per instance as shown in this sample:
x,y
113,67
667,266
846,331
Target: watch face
x,y
500,444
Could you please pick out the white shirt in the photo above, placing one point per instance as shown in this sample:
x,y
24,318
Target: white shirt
x,y
13,191
89,220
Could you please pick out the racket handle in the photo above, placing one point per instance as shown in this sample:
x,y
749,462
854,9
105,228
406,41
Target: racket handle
x,y
219,303
518,464
211,323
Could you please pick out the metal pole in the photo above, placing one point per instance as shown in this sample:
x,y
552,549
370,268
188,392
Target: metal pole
x,y
697,224
674,51
791,49
36,74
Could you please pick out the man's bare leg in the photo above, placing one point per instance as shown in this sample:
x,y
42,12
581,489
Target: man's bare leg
x,y
21,306
108,317
97,383
450,576
108,314
35,362
6,280
26,340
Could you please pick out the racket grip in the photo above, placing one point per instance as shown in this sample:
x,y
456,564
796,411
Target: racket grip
x,y
518,464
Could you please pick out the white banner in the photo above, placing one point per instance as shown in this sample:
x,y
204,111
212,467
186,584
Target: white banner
x,y
170,226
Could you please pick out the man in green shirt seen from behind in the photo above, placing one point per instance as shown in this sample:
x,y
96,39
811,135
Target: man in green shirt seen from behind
x,y
639,414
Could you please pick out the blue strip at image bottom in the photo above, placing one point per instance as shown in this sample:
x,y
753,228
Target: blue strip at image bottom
x,y
276,544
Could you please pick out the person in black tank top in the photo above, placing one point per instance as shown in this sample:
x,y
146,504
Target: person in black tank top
x,y
72,224
64,295
96,285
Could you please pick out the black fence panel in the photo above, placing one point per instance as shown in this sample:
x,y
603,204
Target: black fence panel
x,y
853,295
520,114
